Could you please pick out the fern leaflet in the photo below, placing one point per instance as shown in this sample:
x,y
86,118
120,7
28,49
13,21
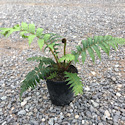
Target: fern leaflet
x,y
52,75
67,57
75,82
43,60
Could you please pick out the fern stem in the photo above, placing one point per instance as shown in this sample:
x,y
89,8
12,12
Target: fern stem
x,y
59,65
64,41
68,66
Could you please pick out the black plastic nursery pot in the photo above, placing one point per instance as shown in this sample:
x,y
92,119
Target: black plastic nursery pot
x,y
59,91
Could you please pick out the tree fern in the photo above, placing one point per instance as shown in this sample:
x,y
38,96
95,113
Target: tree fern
x,y
90,46
75,82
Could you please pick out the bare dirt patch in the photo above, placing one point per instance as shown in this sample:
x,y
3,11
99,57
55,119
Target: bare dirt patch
x,y
7,45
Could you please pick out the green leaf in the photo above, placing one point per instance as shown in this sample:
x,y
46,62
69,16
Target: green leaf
x,y
24,26
9,33
76,56
79,49
23,34
107,38
95,47
46,37
67,57
75,82
30,38
52,75
31,28
96,39
112,44
83,56
17,27
91,53
107,46
104,48
40,43
5,31
89,41
42,60
51,46
39,32
84,43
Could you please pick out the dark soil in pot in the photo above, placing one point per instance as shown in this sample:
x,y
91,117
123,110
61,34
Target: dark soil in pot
x,y
60,93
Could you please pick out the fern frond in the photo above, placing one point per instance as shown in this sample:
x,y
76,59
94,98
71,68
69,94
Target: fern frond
x,y
31,80
43,60
52,75
33,77
93,45
75,82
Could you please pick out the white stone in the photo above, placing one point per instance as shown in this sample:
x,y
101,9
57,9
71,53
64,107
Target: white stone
x,y
118,94
3,98
76,116
93,73
87,88
23,103
4,123
107,114
95,104
28,98
116,66
71,104
119,85
83,122
113,78
37,93
68,114
0,109
43,119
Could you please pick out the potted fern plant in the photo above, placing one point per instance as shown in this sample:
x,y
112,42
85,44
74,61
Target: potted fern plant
x,y
61,76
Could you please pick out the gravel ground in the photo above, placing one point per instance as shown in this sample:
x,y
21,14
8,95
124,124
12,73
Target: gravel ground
x,y
103,101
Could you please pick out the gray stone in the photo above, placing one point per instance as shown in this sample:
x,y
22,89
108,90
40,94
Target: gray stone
x,y
65,123
22,112
51,121
88,113
115,118
116,69
1,113
95,104
9,105
34,122
100,123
